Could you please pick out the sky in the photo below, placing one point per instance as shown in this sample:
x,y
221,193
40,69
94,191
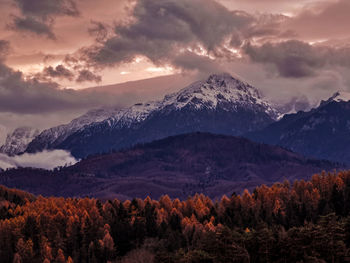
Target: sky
x,y
52,50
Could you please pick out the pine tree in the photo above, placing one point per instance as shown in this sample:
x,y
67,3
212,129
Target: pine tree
x,y
60,257
17,258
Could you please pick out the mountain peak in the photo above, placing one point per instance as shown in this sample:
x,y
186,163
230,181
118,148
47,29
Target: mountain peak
x,y
339,96
220,76
226,80
219,90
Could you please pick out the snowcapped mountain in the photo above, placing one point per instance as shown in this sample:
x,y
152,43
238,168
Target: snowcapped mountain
x,y
218,91
219,104
322,133
17,141
52,137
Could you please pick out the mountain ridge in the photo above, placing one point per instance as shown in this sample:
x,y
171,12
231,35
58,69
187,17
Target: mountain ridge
x,y
179,166
219,104
321,133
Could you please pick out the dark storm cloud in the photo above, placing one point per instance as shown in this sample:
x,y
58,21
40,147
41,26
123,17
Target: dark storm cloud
x,y
86,75
47,8
98,30
162,30
296,59
19,95
38,16
171,32
189,61
59,71
184,21
33,25
69,70
291,58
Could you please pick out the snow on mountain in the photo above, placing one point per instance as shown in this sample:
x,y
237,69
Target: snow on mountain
x,y
55,135
219,90
215,90
17,141
219,104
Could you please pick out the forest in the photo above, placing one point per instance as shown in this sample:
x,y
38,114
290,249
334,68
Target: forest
x,y
301,221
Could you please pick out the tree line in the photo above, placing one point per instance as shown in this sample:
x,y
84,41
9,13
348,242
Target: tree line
x,y
303,221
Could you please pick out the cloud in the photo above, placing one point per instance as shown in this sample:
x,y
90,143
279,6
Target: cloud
x,y
86,75
164,30
264,6
40,95
280,90
190,61
70,71
297,59
268,27
45,160
38,16
47,8
20,95
98,30
291,58
33,25
59,71
168,33
322,20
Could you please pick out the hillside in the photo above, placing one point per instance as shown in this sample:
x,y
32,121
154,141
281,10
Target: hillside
x,y
304,221
178,166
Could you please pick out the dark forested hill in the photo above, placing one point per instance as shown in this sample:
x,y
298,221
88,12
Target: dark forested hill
x,y
322,133
178,166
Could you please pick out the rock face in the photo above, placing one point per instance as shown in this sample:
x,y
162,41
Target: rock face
x,y
179,166
18,140
322,133
220,104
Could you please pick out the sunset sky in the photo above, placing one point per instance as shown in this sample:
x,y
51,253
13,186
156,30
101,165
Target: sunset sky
x,y
52,49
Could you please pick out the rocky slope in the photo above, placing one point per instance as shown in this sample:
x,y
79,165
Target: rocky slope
x,y
17,141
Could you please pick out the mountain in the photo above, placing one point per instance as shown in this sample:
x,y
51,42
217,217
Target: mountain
x,y
51,138
17,141
322,133
178,166
220,104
